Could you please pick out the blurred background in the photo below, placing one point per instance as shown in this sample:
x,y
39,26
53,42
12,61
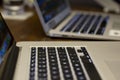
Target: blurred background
x,y
29,28
16,9
10,9
100,4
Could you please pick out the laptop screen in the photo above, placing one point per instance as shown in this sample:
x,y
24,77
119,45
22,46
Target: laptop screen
x,y
5,39
50,8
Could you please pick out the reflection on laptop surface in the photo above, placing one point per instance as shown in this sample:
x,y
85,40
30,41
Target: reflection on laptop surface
x,y
59,21
57,60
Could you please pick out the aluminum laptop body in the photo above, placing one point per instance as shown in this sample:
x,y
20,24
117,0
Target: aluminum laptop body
x,y
39,60
115,5
59,21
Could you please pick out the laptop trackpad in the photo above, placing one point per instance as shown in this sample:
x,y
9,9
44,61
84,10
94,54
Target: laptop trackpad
x,y
114,68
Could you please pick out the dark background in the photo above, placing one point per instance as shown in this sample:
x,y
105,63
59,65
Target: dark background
x,y
82,3
85,3
1,2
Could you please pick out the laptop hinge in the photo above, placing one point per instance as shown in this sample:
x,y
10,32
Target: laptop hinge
x,y
10,65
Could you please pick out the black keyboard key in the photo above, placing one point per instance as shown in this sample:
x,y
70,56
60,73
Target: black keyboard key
x,y
76,63
79,26
102,27
53,63
64,53
32,63
69,26
94,27
89,65
64,64
86,27
42,63
84,51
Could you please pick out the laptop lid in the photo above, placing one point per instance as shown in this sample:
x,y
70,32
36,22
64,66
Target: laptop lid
x,y
7,57
51,12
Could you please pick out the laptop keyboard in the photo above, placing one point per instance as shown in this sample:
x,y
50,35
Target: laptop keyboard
x,y
87,24
59,63
71,23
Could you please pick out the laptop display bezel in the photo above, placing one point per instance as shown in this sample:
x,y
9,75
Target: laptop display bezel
x,y
55,20
12,41
7,60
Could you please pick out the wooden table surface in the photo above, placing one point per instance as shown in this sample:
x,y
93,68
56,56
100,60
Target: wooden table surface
x,y
31,29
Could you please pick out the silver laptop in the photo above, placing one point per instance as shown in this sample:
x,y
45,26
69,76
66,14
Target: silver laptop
x,y
59,21
57,60
110,5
